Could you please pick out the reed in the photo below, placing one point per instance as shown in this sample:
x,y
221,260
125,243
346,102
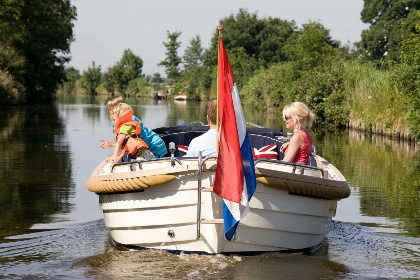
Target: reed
x,y
374,100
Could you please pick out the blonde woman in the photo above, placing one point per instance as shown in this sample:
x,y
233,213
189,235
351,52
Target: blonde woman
x,y
297,117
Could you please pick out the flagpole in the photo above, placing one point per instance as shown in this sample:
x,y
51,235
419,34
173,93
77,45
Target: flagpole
x,y
220,28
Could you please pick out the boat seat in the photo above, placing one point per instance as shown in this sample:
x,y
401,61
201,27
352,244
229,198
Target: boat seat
x,y
180,135
259,138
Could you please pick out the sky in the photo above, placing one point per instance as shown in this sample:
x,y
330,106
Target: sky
x,y
105,28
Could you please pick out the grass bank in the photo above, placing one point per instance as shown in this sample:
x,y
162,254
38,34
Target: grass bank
x,y
341,94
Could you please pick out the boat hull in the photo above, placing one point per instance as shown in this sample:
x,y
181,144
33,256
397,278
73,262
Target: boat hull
x,y
165,217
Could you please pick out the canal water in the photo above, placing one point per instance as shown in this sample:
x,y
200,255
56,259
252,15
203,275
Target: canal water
x,y
51,226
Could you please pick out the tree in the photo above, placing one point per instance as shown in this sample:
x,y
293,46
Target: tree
x,y
272,39
407,78
157,78
41,33
172,59
108,81
193,55
262,38
127,69
389,21
311,47
91,79
69,83
12,90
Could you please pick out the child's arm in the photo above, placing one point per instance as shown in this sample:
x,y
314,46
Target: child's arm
x,y
117,149
106,144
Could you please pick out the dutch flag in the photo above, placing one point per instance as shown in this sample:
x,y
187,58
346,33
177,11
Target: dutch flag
x,y
235,174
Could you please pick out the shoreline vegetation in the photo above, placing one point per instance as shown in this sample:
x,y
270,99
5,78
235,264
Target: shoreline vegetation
x,y
372,85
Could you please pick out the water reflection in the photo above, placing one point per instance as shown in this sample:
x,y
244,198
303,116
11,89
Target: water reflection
x,y
40,180
36,168
385,175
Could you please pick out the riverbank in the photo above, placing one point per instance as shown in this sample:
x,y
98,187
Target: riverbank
x,y
397,131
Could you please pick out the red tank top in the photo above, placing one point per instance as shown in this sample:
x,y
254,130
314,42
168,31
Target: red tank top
x,y
305,151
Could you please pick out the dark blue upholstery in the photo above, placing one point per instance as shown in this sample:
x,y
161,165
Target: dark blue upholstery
x,y
259,137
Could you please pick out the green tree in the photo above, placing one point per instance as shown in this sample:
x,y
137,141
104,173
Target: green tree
x,y
91,79
157,78
311,47
127,69
12,90
172,60
272,39
407,77
243,66
389,22
193,55
70,81
108,81
40,32
138,86
262,38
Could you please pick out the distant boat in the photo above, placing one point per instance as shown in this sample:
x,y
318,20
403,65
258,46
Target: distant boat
x,y
182,96
157,95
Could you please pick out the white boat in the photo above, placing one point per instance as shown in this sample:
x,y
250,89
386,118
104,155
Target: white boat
x,y
181,96
169,203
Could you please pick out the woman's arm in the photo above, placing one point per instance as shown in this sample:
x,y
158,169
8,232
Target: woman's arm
x,y
296,143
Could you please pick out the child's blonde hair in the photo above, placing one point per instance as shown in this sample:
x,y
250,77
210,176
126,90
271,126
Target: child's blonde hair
x,y
300,114
119,109
113,102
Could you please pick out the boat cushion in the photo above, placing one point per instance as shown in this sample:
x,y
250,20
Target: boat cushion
x,y
269,151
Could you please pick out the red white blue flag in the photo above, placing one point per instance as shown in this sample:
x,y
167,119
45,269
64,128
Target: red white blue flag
x,y
235,173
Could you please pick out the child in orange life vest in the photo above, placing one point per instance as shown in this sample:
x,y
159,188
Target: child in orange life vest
x,y
127,135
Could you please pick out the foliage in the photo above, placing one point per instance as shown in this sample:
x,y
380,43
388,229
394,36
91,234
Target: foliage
x,y
310,76
10,90
266,88
40,32
193,55
108,81
250,43
311,47
70,81
407,78
262,38
243,66
127,69
11,70
172,60
389,21
321,88
91,79
138,86
157,78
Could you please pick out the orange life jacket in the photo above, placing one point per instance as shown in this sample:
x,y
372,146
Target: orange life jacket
x,y
132,143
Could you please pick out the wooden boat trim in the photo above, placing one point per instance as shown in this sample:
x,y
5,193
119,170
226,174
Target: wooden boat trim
x,y
302,184
294,183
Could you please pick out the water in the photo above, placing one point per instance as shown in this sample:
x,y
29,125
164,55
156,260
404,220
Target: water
x,y
51,227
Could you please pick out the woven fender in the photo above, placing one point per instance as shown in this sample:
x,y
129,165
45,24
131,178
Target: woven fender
x,y
130,184
314,190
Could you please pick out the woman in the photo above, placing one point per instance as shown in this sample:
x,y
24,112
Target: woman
x,y
297,118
